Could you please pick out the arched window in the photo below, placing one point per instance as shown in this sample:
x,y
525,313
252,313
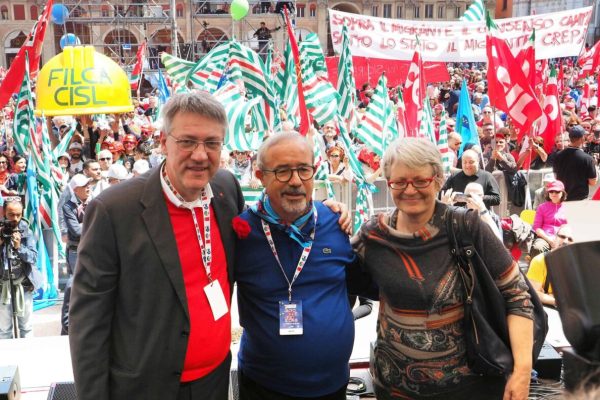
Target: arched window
x,y
4,12
312,10
179,10
105,10
33,12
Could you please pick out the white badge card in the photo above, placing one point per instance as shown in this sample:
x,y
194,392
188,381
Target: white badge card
x,y
216,299
290,318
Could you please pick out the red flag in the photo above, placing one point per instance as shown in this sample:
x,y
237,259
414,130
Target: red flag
x,y
551,121
508,87
136,74
304,116
589,61
560,81
526,59
33,46
413,94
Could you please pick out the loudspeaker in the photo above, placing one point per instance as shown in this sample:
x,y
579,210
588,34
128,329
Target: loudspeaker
x,y
549,363
10,385
62,391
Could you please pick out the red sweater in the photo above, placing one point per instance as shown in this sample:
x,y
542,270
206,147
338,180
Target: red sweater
x,y
209,340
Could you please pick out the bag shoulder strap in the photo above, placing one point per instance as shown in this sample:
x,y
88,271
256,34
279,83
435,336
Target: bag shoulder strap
x,y
461,246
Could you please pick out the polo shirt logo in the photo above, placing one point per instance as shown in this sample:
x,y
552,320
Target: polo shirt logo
x,y
326,250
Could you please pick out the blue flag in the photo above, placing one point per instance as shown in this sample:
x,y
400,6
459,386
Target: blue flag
x,y
163,89
465,121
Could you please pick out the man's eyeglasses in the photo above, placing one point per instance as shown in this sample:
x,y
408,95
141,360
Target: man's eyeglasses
x,y
105,159
284,175
565,237
3,162
190,145
420,183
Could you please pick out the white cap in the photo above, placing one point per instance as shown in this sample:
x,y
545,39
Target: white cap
x,y
141,166
117,171
79,180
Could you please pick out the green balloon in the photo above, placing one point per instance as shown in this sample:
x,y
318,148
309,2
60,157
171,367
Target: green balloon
x,y
239,9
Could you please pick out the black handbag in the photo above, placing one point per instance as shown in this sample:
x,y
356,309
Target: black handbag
x,y
485,325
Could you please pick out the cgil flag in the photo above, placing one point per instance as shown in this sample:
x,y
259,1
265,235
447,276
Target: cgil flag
x,y
33,47
508,87
136,74
414,93
551,121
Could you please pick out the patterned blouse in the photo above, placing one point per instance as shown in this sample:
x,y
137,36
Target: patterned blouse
x,y
420,346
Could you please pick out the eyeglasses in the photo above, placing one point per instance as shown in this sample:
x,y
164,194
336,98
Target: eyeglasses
x,y
420,183
189,145
334,155
3,162
284,175
487,112
565,237
105,159
553,191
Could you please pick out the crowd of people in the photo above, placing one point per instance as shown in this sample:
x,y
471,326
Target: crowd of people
x,y
145,321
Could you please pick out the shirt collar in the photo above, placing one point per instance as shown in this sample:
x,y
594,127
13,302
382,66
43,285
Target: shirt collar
x,y
175,198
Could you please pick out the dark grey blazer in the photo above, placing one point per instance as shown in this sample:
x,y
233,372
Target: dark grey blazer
x,y
129,321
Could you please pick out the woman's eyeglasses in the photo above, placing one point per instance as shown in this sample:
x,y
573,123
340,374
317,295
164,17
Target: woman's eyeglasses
x,y
334,155
420,183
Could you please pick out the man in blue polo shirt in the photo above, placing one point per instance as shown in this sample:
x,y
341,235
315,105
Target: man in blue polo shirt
x,y
290,271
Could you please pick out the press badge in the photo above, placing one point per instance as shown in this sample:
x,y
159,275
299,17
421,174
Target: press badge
x,y
216,299
290,317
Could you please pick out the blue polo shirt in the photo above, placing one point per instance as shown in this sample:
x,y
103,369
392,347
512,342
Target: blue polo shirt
x,y
316,362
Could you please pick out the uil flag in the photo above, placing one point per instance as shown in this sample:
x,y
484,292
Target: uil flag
x,y
136,74
508,87
33,46
465,121
414,94
551,123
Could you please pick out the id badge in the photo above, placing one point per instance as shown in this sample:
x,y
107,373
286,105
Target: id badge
x,y
290,317
216,299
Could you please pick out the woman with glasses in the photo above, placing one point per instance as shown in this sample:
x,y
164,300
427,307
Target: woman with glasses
x,y
406,254
338,171
549,217
4,170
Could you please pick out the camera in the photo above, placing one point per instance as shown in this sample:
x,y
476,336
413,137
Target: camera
x,y
7,229
460,197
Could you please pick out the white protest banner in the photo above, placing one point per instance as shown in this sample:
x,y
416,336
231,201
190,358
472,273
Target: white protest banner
x,y
558,34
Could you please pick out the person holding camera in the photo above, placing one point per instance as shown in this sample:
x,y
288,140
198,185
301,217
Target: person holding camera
x,y
20,277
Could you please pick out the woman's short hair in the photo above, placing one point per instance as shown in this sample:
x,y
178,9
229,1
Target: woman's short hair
x,y
413,153
338,149
195,102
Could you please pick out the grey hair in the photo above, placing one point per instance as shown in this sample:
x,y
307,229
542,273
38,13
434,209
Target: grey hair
x,y
278,138
195,102
413,153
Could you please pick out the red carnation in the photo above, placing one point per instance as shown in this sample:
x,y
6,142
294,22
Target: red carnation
x,y
241,227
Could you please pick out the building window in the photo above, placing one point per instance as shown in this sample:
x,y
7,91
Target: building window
x,y
441,12
417,12
428,10
387,11
457,12
33,12
398,11
179,10
300,10
504,5
105,11
19,12
375,11
4,13
312,11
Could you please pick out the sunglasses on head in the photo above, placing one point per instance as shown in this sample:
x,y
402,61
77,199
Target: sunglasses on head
x,y
565,237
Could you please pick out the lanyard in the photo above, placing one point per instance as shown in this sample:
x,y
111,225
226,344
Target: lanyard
x,y
205,246
303,256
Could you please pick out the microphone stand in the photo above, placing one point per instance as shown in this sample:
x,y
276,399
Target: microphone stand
x,y
7,264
